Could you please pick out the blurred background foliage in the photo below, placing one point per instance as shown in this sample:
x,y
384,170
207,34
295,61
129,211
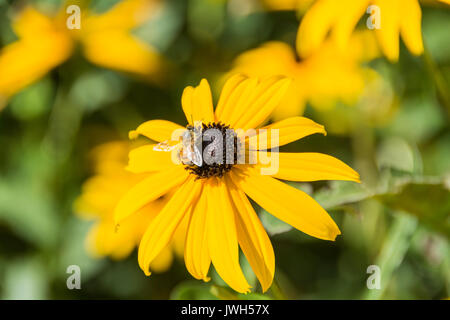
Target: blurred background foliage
x,y
397,137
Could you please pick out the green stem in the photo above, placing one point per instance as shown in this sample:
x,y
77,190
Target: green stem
x,y
439,81
277,292
393,252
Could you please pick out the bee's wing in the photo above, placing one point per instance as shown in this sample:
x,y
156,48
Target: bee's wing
x,y
197,157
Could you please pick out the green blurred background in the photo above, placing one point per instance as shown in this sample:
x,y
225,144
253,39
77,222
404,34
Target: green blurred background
x,y
397,219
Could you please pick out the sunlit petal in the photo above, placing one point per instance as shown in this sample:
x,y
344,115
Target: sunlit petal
x,y
267,97
160,231
196,253
252,238
315,25
197,103
288,204
149,158
149,189
157,130
388,34
222,236
307,166
118,49
288,130
410,26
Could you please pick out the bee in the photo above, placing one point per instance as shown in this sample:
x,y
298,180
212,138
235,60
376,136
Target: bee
x,y
191,141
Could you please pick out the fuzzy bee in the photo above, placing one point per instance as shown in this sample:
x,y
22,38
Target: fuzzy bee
x,y
192,141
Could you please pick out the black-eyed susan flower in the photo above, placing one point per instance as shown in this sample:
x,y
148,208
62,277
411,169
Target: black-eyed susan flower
x,y
45,42
339,18
322,79
213,196
99,196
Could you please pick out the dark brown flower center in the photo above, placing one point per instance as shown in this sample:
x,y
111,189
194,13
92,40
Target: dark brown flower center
x,y
209,150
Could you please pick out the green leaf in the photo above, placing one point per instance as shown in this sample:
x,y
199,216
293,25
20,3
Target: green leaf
x,y
73,250
96,89
33,101
396,153
393,252
26,279
341,193
418,119
272,224
225,293
428,201
190,290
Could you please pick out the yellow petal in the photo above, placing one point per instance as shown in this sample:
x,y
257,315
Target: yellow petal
x,y
288,204
289,130
244,95
187,104
125,15
240,100
196,253
30,22
228,90
150,158
293,103
388,34
222,236
106,238
203,108
118,49
253,238
102,240
161,229
410,27
147,190
272,58
157,130
95,241
348,18
315,25
122,250
163,260
100,194
179,237
111,157
306,166
266,101
197,103
286,4
19,68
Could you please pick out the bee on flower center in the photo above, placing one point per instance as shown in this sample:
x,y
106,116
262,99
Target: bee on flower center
x,y
209,150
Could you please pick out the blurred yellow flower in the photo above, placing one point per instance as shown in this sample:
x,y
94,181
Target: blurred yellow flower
x,y
213,197
106,40
299,5
100,194
321,79
339,18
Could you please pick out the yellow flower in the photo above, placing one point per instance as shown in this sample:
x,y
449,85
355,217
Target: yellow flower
x,y
213,197
106,40
323,78
99,197
339,18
